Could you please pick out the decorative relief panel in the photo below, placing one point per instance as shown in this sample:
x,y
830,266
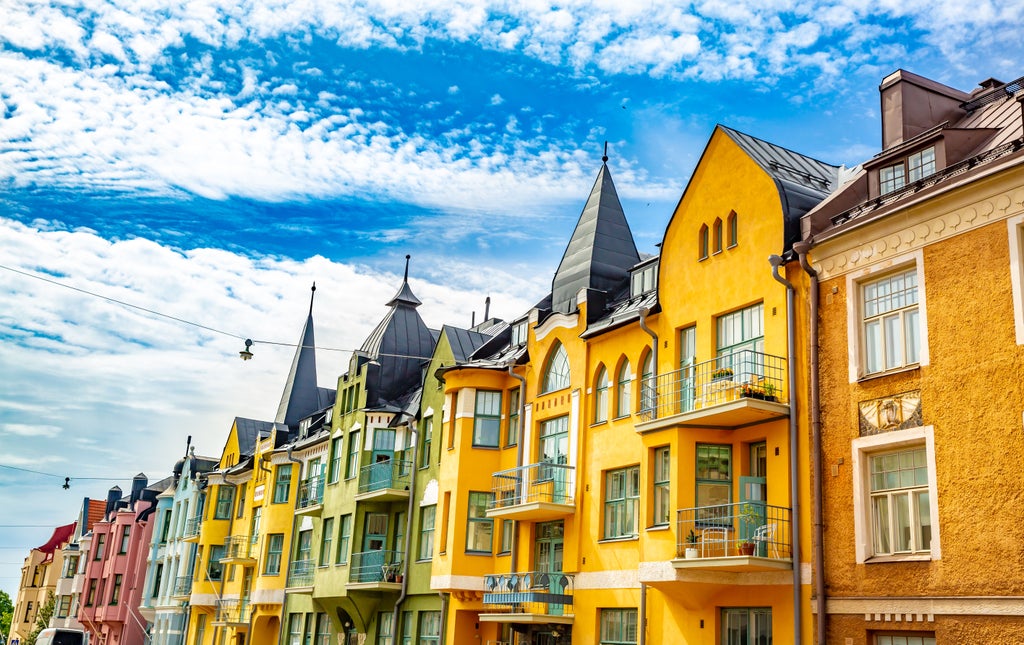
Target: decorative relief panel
x,y
890,413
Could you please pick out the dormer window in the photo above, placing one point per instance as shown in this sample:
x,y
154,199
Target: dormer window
x,y
891,178
519,330
921,164
644,279
917,166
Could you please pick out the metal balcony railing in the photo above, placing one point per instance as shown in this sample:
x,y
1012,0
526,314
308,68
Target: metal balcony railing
x,y
742,374
240,547
375,566
550,483
300,573
533,592
182,585
233,611
311,492
731,530
192,526
392,473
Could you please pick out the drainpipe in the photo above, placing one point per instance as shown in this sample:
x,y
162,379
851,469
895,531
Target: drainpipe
x,y
514,560
444,613
817,535
794,480
644,312
395,625
291,538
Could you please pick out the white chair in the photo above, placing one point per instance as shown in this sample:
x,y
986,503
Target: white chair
x,y
766,534
712,536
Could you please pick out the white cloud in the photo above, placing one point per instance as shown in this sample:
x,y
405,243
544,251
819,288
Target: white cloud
x,y
27,430
497,99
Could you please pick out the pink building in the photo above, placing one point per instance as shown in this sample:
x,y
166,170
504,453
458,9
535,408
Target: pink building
x,y
115,567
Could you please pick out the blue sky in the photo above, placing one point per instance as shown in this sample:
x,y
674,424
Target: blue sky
x,y
210,159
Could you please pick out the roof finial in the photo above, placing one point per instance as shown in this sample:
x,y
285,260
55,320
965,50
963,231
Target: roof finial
x,y
407,256
312,292
605,157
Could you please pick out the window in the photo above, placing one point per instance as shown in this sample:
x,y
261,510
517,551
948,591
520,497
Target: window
x,y
63,606
647,384
385,628
714,480
662,483
28,613
746,626
275,546
718,235
895,514
352,467
891,322
225,496
215,569
430,628
734,229
427,514
282,484
165,528
344,538
556,373
326,541
406,628
428,438
643,280
618,626
240,511
554,448
921,164
294,629
479,527
507,534
601,396
702,242
201,629
621,502
157,577
334,470
487,419
741,342
323,629
70,566
891,178
126,532
304,548
512,438
904,638
100,539
519,332
115,592
624,391
90,598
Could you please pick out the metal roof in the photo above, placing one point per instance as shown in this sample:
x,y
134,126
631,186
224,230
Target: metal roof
x,y
248,431
622,312
601,250
464,342
301,395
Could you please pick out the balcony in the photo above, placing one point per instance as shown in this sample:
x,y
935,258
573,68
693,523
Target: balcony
x,y
240,549
232,612
533,597
730,391
751,536
182,588
538,492
385,481
192,526
300,573
311,496
376,570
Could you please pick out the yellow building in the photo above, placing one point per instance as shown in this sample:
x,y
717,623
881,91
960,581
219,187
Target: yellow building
x,y
42,569
919,258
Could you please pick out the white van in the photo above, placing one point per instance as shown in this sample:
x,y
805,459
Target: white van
x,y
60,636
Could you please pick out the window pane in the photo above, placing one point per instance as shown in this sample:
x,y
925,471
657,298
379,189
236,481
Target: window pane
x,y
873,346
880,507
902,522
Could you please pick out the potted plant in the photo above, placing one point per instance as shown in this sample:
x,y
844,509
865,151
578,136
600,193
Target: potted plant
x,y
753,391
769,391
721,374
691,546
750,517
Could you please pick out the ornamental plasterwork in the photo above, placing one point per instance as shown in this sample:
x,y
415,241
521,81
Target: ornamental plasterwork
x,y
898,242
890,413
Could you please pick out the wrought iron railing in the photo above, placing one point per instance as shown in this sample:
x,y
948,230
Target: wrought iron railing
x,y
192,526
240,547
551,483
720,380
376,566
391,473
311,492
300,573
182,585
532,592
233,610
730,530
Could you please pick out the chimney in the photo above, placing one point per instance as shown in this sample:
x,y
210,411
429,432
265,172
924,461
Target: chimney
x,y
113,495
912,104
472,320
487,309
139,483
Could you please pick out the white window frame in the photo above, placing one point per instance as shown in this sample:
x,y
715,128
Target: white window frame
x,y
863,449
1015,227
854,313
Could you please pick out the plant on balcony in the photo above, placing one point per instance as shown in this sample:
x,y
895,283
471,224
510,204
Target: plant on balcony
x,y
750,518
721,374
691,546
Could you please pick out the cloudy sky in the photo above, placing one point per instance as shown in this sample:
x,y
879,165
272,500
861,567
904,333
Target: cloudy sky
x,y
210,159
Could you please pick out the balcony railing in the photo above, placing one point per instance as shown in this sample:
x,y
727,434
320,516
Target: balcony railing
x,y
547,593
240,547
300,573
748,529
727,378
232,611
311,492
182,585
375,566
540,485
392,473
192,526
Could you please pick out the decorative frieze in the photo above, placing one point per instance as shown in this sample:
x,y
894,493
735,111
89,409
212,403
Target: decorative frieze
x,y
889,413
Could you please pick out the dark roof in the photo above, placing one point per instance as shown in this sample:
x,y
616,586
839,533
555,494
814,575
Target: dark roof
x,y
464,342
301,395
622,312
601,250
248,431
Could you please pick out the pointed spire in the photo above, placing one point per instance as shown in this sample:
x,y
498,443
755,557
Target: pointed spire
x,y
312,294
604,159
301,395
405,295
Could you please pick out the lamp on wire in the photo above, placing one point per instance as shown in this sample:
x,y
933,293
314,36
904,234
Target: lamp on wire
x,y
245,353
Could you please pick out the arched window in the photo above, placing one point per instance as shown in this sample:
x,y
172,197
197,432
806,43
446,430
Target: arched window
x,y
718,235
734,233
623,391
601,396
702,242
647,382
556,374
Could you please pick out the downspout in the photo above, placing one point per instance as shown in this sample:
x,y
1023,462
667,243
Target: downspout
x,y
794,480
654,364
444,612
395,625
817,534
291,538
514,560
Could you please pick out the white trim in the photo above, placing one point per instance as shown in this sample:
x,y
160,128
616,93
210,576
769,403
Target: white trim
x,y
554,321
1015,228
527,433
465,405
854,321
917,609
862,448
574,441
464,583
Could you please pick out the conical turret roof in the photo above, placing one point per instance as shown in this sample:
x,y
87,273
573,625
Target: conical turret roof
x,y
301,395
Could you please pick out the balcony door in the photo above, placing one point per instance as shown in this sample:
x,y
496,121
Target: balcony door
x,y
375,535
687,361
548,554
754,493
381,457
